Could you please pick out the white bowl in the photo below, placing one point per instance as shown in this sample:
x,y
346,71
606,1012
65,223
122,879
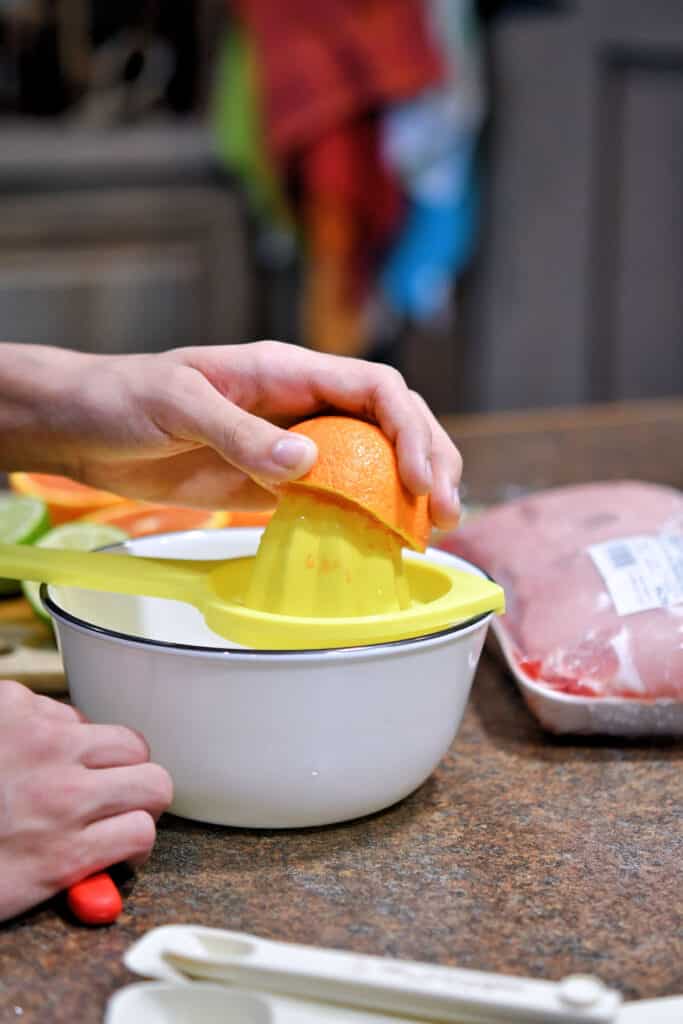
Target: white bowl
x,y
264,739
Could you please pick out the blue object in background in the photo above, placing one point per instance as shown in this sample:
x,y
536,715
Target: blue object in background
x,y
430,142
437,239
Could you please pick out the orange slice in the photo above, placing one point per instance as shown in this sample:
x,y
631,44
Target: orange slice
x,y
139,519
249,518
357,462
65,499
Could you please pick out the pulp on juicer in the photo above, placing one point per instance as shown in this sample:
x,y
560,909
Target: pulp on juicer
x,y
321,556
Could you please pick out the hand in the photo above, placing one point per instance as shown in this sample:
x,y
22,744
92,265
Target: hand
x,y
203,426
74,797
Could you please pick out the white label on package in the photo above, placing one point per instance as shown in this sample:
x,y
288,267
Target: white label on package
x,y
641,572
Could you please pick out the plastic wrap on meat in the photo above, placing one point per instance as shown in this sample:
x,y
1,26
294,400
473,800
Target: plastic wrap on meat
x,y
563,619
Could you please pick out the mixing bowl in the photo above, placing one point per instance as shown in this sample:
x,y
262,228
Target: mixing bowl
x,y
264,739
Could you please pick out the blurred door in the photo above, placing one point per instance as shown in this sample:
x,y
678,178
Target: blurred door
x,y
579,290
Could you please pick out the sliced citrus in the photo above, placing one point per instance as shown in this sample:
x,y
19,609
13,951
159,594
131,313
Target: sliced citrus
x,y
22,521
77,536
357,462
139,519
248,518
65,498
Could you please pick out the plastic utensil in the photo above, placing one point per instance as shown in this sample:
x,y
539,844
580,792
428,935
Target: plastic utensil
x,y
22,521
440,596
95,900
400,987
173,1003
73,536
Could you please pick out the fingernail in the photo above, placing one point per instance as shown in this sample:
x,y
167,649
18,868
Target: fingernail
x,y
294,453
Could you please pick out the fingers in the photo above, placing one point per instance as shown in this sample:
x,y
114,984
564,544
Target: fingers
x,y
444,502
110,746
308,381
78,797
124,837
250,443
20,700
427,458
56,710
115,791
284,383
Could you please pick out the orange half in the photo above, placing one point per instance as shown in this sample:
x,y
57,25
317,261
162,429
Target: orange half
x,y
357,462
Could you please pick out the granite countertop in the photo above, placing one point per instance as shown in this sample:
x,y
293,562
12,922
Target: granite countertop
x,y
523,854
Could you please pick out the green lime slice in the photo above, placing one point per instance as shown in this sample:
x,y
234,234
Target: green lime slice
x,y
77,536
22,521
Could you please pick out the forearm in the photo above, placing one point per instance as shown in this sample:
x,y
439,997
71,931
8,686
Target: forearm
x,y
39,387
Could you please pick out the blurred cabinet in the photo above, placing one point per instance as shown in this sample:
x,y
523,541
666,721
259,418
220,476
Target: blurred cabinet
x,y
578,291
136,252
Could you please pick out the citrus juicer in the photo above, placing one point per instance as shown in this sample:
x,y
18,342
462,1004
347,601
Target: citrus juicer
x,y
325,575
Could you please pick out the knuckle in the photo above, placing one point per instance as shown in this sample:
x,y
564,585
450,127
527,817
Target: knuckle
x,y
69,864
389,376
269,349
237,437
64,801
133,743
392,376
178,383
170,391
74,858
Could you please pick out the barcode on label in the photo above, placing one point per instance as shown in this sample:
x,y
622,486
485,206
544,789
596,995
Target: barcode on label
x,y
620,556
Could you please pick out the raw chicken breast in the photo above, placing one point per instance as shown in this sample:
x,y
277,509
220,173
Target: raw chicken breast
x,y
583,622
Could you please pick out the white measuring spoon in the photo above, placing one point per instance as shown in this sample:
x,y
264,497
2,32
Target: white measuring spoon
x,y
166,1002
401,987
204,1003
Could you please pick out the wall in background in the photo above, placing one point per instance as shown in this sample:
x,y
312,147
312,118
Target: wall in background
x,y
578,290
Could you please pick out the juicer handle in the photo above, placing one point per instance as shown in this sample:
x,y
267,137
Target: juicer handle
x,y
95,570
406,988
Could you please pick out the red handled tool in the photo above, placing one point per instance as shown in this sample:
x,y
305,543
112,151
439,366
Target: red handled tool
x,y
95,900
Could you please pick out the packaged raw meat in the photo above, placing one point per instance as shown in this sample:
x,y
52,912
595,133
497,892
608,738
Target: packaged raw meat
x,y
593,577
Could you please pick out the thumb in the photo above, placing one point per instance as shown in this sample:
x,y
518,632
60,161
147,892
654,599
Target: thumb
x,y
259,449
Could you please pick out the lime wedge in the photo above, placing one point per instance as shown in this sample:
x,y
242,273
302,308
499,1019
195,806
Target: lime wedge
x,y
22,521
76,536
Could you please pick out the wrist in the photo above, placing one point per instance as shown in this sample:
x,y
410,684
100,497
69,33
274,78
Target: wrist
x,y
38,393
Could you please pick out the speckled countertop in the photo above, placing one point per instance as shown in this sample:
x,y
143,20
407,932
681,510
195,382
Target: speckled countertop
x,y
522,854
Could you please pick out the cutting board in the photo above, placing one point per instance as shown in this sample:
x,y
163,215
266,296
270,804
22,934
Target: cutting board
x,y
28,652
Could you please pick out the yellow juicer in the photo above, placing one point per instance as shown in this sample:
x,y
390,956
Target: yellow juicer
x,y
326,575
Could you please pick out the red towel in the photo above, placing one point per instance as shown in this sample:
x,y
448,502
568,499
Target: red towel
x,y
327,69
324,62
350,207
